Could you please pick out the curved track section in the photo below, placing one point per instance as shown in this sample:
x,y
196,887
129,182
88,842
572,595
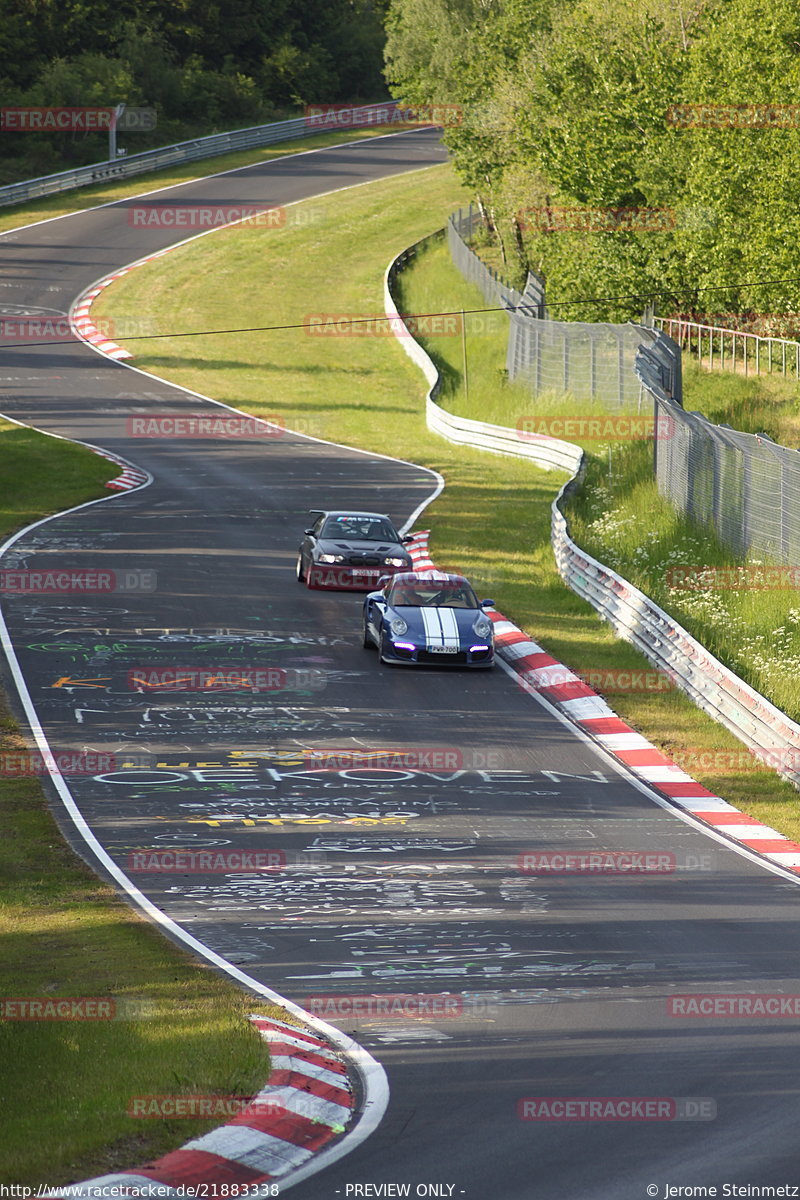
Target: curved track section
x,y
402,913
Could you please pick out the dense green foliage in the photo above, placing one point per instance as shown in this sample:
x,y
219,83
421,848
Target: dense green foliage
x,y
202,66
565,107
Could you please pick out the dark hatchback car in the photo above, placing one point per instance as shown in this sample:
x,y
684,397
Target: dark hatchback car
x,y
350,550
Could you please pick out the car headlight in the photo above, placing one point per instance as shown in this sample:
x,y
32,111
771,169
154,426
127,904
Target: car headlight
x,y
331,558
395,562
398,627
483,629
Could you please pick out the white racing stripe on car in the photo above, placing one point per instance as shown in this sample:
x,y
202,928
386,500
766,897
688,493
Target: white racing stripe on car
x,y
433,629
449,628
441,628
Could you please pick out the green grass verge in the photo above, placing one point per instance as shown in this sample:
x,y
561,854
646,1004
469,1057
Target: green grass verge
x,y
64,203
66,1085
493,520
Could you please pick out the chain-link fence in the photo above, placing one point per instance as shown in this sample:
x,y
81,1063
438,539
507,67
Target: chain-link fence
x,y
591,362
460,227
743,485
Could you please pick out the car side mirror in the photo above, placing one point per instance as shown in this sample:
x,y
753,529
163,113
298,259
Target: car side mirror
x,y
487,603
308,532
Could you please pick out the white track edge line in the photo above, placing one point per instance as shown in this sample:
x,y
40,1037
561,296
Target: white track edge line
x,y
373,1076
629,774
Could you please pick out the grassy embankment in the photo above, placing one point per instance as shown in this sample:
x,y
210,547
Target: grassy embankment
x,y
493,520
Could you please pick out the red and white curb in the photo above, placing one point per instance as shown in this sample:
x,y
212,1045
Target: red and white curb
x,y
82,322
417,546
306,1103
131,477
577,701
85,327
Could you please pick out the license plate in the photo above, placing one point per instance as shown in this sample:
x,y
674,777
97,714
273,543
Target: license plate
x,y
442,649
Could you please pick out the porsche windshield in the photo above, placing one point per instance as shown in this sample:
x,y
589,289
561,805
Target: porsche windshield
x,y
359,529
425,595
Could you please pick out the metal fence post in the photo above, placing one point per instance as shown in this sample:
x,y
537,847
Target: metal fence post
x,y
538,351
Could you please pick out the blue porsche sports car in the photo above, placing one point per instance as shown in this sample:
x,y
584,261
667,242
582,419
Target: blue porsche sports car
x,y
429,617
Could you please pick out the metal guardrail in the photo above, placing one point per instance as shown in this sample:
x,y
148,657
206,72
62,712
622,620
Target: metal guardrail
x,y
547,452
206,147
772,736
752,349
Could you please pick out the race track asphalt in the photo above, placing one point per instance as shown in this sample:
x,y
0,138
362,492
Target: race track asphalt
x,y
397,881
